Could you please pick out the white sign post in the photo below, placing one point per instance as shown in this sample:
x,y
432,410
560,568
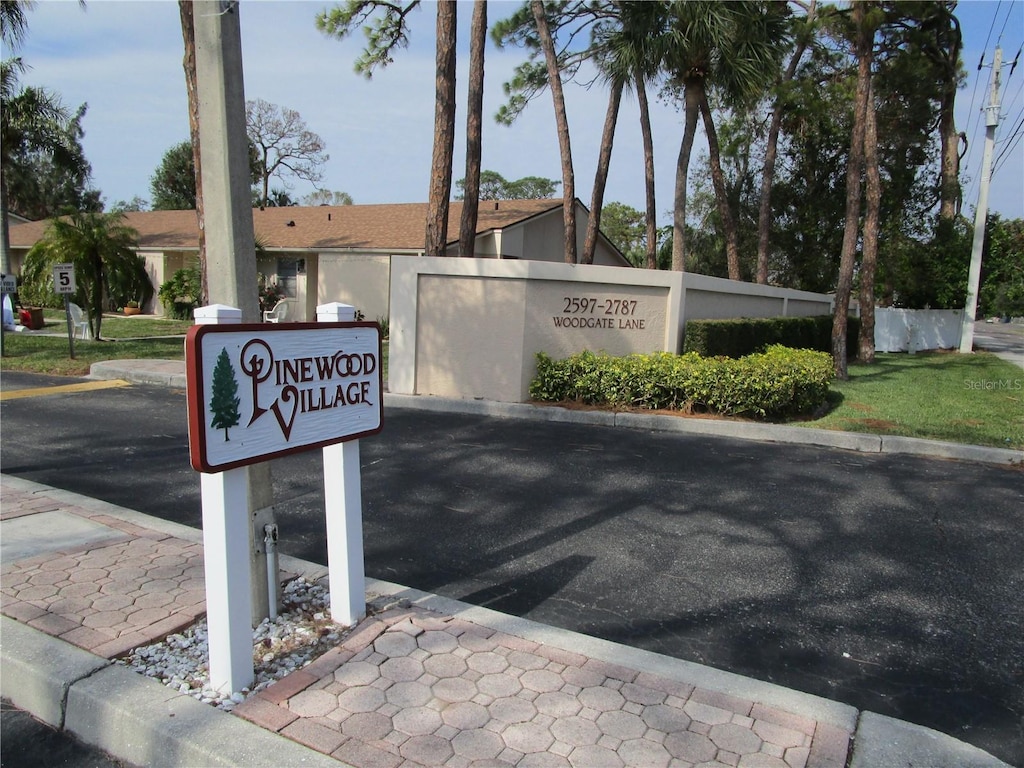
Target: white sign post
x,y
260,391
226,558
343,505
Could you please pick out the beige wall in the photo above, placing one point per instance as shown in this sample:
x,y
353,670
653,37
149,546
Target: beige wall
x,y
715,305
711,298
564,317
361,280
457,314
472,328
161,266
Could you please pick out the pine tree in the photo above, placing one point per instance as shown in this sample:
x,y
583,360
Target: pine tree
x,y
224,403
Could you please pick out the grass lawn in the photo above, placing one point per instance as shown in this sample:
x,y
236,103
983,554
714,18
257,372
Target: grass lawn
x,y
975,399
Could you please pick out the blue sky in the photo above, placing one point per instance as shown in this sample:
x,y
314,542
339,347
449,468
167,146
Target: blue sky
x,y
123,58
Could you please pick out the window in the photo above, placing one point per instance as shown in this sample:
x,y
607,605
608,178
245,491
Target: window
x,y
288,270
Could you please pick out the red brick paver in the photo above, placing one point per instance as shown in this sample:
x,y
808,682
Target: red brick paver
x,y
418,688
106,597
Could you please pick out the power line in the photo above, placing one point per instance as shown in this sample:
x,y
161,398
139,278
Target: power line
x,y
990,28
1008,12
1012,140
972,116
1014,136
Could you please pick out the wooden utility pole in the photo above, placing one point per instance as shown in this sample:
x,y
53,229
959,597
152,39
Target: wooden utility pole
x,y
230,243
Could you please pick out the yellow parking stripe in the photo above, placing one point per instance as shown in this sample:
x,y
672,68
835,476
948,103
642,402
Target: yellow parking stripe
x,y
63,389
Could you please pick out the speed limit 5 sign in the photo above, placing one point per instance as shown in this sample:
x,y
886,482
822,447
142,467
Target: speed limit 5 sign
x,y
64,278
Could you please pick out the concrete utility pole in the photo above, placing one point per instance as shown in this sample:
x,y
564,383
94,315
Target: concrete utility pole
x,y
230,244
981,214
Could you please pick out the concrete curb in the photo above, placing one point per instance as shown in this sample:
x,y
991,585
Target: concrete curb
x,y
883,741
39,670
130,716
163,373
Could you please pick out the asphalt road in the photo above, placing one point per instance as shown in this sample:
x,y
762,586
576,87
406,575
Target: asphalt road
x,y
891,583
27,742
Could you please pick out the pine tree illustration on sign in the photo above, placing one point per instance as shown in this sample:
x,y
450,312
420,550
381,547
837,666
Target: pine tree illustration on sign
x,y
224,403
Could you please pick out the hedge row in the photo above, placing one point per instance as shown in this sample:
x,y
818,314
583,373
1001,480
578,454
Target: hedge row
x,y
777,382
744,336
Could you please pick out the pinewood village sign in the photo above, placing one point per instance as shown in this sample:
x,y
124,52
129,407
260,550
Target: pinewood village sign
x,y
256,392
261,391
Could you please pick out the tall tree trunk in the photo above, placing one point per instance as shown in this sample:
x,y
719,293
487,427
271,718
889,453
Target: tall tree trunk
x,y
601,175
188,62
265,199
848,255
869,259
764,213
547,45
691,110
474,129
5,232
444,132
651,215
949,179
732,248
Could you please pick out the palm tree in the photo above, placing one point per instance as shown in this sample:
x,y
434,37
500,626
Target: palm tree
x,y
30,118
735,48
601,174
13,22
805,31
628,51
101,247
863,50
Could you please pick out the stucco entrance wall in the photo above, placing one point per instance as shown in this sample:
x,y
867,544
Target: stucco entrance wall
x,y
471,328
715,298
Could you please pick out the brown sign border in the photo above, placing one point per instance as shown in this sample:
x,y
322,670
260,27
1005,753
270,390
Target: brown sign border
x,y
194,379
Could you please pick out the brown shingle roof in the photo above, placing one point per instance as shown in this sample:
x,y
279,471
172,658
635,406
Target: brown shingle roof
x,y
399,227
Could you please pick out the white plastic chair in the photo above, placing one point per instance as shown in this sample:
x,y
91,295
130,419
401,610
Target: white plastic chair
x,y
78,321
278,314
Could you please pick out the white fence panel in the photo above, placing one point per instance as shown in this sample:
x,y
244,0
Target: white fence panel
x,y
915,330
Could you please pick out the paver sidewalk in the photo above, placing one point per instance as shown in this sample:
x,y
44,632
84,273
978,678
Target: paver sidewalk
x,y
123,586
408,687
411,687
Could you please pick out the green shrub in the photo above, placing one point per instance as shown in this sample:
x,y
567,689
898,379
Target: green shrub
x,y
39,293
777,382
182,293
744,336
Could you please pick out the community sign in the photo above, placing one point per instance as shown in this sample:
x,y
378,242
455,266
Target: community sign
x,y
260,391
